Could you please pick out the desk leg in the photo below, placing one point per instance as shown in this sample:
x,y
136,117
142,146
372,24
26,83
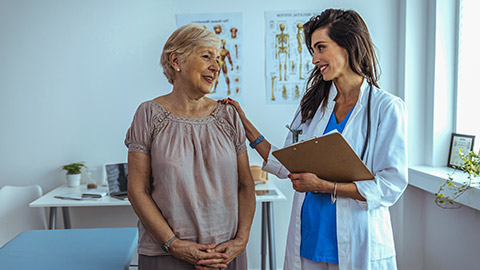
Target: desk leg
x,y
53,215
264,235
271,236
66,218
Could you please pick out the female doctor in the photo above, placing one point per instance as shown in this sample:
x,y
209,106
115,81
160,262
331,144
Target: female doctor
x,y
337,225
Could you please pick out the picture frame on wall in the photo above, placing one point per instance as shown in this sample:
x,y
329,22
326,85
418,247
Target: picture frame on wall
x,y
459,141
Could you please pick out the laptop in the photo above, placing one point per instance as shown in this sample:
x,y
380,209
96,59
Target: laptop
x,y
117,176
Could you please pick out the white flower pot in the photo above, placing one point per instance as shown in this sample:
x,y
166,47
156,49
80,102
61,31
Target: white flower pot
x,y
73,180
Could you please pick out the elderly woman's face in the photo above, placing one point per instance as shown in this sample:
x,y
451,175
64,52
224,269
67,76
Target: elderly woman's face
x,y
201,68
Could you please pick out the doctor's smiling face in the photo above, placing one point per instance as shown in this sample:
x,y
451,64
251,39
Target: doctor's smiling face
x,y
328,56
339,42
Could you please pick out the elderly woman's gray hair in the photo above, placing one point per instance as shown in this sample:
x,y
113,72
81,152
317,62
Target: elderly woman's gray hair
x,y
183,42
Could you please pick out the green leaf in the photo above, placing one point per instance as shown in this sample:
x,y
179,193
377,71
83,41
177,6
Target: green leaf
x,y
74,168
470,166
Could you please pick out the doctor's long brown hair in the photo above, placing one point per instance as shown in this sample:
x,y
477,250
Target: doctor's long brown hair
x,y
349,31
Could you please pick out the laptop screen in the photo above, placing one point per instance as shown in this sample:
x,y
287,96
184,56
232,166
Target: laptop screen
x,y
117,175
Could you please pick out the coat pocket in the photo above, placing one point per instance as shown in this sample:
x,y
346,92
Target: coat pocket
x,y
381,237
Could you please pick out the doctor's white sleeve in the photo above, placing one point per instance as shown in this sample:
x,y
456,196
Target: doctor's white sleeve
x,y
389,159
273,166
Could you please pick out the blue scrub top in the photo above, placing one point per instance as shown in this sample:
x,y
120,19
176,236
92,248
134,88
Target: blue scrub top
x,y
319,222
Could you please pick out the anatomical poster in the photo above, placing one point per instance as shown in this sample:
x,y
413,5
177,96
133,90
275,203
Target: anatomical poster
x,y
288,62
228,27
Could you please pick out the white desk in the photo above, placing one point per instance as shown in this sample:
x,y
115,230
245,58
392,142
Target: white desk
x,y
274,194
49,200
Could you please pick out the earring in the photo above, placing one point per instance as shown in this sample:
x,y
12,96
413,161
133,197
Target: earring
x,y
178,69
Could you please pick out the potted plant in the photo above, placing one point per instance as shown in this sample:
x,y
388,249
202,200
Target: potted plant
x,y
74,173
471,166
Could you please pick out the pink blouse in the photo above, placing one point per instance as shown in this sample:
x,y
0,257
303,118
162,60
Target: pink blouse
x,y
194,171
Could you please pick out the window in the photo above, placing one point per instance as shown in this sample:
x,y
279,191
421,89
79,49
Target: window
x,y
468,85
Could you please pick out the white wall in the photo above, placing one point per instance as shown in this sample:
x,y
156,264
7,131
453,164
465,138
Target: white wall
x,y
72,74
428,237
435,238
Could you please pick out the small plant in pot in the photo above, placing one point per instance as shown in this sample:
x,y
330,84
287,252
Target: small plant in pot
x,y
74,173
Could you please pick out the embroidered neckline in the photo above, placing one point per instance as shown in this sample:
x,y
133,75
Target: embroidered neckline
x,y
169,115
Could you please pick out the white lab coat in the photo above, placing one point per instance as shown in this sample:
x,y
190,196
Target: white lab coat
x,y
364,231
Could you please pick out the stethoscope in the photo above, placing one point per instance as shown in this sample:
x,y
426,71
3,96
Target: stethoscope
x,y
297,132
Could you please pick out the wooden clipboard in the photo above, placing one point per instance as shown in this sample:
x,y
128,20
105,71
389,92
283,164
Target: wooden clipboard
x,y
329,157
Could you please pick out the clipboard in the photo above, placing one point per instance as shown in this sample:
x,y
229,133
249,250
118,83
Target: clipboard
x,y
329,157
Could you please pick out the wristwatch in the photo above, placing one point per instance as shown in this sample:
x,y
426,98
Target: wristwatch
x,y
166,246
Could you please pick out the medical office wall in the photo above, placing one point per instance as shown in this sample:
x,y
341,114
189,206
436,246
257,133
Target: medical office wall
x,y
72,74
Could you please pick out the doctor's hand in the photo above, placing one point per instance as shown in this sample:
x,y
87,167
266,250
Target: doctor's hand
x,y
235,104
309,182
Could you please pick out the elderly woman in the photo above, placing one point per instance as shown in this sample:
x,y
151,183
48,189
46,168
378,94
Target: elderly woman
x,y
189,180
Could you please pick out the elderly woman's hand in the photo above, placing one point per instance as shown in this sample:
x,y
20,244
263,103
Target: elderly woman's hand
x,y
193,252
231,248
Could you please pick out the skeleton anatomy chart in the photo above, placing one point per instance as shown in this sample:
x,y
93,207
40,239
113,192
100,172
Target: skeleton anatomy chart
x,y
228,27
288,61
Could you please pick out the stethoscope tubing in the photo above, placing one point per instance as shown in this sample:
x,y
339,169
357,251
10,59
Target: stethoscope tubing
x,y
367,137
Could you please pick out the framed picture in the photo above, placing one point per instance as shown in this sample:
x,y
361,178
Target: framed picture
x,y
459,141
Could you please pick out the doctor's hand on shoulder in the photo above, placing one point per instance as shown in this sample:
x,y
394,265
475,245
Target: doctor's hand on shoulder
x,y
235,104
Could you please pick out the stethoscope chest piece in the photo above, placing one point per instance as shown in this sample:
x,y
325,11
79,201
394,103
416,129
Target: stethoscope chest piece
x,y
295,133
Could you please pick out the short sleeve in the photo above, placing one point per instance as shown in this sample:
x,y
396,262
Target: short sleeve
x,y
139,135
241,137
238,135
